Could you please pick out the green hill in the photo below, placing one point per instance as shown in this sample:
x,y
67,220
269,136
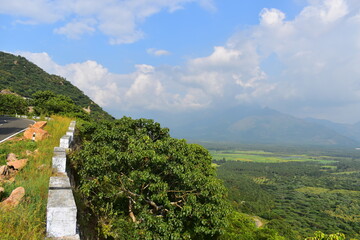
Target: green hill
x,y
25,78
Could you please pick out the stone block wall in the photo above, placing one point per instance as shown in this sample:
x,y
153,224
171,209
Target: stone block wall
x,y
61,208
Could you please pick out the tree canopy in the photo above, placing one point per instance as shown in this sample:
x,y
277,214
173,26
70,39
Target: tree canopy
x,y
141,183
12,104
48,103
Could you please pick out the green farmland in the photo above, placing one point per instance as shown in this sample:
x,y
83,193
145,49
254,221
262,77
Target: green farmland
x,y
267,157
295,192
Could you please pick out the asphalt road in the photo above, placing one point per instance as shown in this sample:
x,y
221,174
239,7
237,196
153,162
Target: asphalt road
x,y
10,126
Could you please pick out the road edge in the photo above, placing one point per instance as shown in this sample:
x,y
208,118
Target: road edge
x,y
16,133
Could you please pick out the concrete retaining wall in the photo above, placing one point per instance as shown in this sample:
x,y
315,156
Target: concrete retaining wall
x,y
61,207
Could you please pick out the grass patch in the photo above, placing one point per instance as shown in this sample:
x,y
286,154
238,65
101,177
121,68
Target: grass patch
x,y
214,165
267,157
312,190
345,173
318,190
28,220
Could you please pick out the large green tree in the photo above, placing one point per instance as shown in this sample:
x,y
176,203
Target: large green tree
x,y
12,104
143,184
322,236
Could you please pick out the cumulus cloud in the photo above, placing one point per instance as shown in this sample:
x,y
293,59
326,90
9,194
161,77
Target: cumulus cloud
x,y
36,11
145,88
118,19
89,76
157,52
76,29
318,51
306,66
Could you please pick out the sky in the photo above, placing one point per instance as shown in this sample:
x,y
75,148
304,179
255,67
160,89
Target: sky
x,y
134,57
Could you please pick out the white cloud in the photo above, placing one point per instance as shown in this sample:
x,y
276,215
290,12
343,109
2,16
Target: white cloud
x,y
326,10
76,29
318,51
118,19
272,17
157,52
143,89
36,11
307,66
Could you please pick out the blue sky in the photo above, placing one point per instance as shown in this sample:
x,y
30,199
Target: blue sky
x,y
140,56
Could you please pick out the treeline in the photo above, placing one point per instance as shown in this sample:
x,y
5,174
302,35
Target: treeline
x,y
41,103
315,150
297,198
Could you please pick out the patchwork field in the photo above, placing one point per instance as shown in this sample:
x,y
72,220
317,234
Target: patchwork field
x,y
296,192
267,157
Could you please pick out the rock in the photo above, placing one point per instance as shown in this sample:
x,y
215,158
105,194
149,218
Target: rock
x,y
17,165
29,153
36,131
14,199
39,134
10,180
6,179
40,124
12,161
41,167
4,170
11,157
16,139
87,110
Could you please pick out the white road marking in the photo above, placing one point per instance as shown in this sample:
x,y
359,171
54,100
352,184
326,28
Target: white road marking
x,y
15,133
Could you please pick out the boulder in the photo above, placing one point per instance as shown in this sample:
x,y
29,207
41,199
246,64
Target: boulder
x,y
8,180
39,134
41,167
29,153
18,164
11,157
40,124
14,199
4,170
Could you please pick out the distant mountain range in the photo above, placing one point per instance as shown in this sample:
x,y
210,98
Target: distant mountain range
x,y
256,125
349,130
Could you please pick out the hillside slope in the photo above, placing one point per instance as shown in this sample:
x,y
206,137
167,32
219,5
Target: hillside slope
x,y
25,78
349,130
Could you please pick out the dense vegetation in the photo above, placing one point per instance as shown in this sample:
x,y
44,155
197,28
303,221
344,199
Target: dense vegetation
x,y
296,195
43,103
12,104
142,184
25,78
49,103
